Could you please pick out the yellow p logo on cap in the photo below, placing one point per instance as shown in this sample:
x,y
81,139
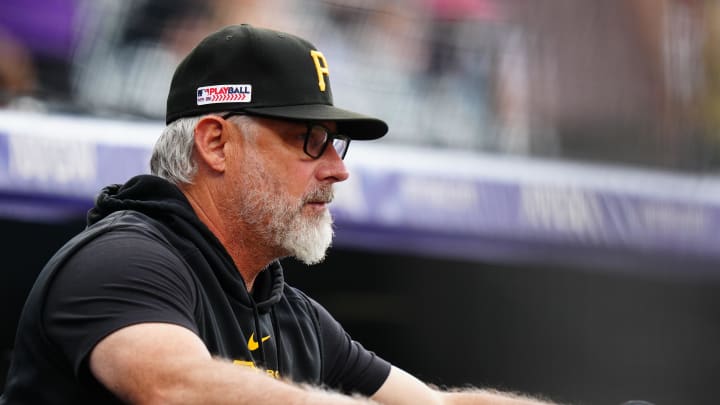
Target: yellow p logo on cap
x,y
321,67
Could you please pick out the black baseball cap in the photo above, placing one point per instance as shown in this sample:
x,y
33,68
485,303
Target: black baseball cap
x,y
261,72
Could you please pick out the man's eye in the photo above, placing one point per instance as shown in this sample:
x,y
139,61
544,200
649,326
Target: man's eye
x,y
318,135
316,140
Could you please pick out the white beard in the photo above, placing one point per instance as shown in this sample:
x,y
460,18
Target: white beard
x,y
279,221
308,239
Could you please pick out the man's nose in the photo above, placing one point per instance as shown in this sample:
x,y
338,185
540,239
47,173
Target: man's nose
x,y
332,167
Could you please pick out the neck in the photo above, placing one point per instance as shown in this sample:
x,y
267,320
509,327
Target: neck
x,y
249,257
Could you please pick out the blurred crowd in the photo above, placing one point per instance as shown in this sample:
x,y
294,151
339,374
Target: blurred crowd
x,y
624,81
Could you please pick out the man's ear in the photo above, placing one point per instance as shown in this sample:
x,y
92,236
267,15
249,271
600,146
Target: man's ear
x,y
210,138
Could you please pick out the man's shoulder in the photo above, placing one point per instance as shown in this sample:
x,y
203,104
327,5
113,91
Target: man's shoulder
x,y
128,225
120,250
295,294
115,239
125,219
298,297
126,231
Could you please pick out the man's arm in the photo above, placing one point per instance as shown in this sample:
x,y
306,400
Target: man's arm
x,y
157,363
401,388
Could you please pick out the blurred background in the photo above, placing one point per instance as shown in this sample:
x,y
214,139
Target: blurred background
x,y
544,215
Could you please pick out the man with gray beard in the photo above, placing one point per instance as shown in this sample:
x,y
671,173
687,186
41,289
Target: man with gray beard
x,y
173,294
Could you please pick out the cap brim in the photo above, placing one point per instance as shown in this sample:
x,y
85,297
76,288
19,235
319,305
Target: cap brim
x,y
352,124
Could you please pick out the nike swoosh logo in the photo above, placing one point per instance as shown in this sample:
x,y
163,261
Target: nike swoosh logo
x,y
253,344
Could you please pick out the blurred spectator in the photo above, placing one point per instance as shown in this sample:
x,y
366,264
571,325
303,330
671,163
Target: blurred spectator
x,y
710,94
604,77
630,81
132,47
36,43
17,73
462,39
126,58
448,19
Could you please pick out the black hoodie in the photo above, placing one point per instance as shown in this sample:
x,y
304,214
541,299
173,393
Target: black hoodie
x,y
146,257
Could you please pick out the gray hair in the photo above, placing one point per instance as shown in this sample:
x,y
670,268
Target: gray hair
x,y
172,155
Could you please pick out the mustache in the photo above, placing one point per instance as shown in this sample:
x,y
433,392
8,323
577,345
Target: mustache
x,y
321,194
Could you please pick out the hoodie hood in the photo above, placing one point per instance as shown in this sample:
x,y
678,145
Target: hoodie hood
x,y
150,195
171,212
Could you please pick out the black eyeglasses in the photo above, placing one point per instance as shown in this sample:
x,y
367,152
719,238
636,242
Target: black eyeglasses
x,y
316,139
